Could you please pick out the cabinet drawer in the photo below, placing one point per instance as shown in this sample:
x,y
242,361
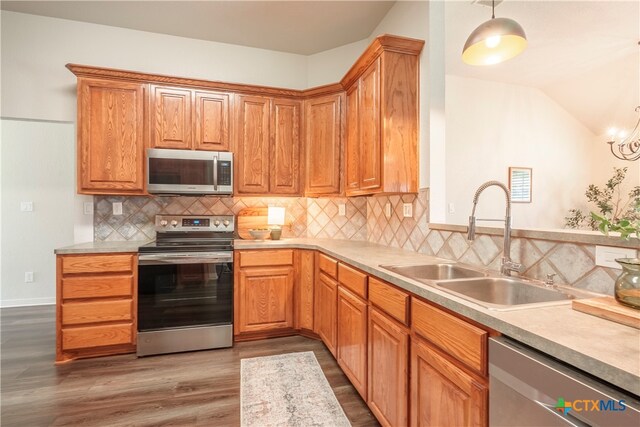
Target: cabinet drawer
x,y
76,313
460,339
353,279
392,301
328,265
266,258
96,336
97,287
97,264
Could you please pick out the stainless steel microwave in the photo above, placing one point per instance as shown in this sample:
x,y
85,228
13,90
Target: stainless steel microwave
x,y
189,172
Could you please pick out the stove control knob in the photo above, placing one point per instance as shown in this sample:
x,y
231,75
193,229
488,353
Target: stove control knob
x,y
174,223
164,223
226,222
216,223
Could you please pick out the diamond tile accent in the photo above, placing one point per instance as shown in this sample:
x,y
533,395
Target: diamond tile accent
x,y
365,220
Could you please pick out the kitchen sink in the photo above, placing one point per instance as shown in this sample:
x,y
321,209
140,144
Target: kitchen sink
x,y
434,271
505,293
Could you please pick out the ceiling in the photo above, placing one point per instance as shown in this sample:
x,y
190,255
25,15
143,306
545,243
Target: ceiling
x,y
301,27
583,54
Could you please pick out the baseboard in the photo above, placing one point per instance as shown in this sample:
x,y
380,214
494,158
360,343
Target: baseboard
x,y
27,302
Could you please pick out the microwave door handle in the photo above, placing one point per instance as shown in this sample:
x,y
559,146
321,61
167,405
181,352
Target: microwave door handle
x,y
215,173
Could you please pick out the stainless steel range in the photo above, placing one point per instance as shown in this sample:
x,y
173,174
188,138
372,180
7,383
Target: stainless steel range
x,y
185,285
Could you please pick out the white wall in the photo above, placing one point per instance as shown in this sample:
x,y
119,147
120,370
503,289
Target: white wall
x,y
331,65
35,49
35,168
491,126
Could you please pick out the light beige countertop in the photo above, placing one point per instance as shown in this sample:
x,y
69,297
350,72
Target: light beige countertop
x,y
605,349
101,247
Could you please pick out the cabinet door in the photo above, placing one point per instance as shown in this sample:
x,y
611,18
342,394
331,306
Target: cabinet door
x,y
388,360
352,339
252,157
325,311
266,298
110,137
369,127
352,162
171,123
211,119
442,394
285,147
323,132
306,287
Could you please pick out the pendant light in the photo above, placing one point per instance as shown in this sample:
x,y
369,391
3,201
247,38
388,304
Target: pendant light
x,y
494,41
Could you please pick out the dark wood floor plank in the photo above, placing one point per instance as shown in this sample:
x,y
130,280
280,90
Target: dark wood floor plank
x,y
187,389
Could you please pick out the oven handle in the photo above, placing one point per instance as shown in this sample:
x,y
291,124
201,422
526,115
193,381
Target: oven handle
x,y
162,259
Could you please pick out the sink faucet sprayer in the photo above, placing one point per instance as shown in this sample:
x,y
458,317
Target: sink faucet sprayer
x,y
507,265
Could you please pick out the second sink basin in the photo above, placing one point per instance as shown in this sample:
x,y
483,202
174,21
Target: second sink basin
x,y
433,271
502,293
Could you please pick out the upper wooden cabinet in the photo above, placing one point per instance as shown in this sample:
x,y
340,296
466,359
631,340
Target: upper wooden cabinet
x,y
110,137
323,144
212,111
285,147
171,118
252,145
281,138
382,122
268,146
187,119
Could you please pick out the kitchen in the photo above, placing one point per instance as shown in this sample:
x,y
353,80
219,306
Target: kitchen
x,y
429,230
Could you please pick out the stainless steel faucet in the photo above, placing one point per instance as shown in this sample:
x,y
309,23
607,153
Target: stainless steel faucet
x,y
507,265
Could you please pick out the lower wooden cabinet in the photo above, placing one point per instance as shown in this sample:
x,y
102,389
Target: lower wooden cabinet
x,y
263,292
266,298
443,394
325,320
352,338
305,294
388,360
96,305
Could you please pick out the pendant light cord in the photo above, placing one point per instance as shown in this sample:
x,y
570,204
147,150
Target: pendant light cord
x,y
493,9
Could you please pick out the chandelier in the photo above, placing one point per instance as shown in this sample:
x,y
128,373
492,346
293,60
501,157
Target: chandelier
x,y
626,146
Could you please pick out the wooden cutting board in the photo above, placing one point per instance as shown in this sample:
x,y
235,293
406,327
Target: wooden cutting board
x,y
610,309
249,218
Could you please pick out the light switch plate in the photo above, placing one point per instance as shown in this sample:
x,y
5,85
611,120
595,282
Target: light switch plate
x,y
117,208
26,206
28,277
407,210
387,210
88,208
452,208
342,209
606,255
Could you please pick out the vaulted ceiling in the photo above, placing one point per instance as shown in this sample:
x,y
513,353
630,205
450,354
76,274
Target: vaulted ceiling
x,y
302,27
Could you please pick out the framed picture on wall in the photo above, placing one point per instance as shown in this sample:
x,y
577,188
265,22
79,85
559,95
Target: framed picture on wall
x,y
520,184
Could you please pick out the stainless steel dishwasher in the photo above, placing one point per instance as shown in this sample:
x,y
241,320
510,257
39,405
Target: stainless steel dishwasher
x,y
528,388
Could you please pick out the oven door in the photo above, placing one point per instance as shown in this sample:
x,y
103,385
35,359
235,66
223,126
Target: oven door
x,y
182,290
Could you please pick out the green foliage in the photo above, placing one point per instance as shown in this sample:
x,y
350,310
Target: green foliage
x,y
616,211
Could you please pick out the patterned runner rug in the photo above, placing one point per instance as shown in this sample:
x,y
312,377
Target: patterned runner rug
x,y
287,390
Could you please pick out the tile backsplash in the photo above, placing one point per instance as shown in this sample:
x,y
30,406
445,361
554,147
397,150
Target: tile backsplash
x,y
365,219
304,217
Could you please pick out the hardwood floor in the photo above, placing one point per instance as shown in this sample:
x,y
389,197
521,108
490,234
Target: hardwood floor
x,y
187,389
